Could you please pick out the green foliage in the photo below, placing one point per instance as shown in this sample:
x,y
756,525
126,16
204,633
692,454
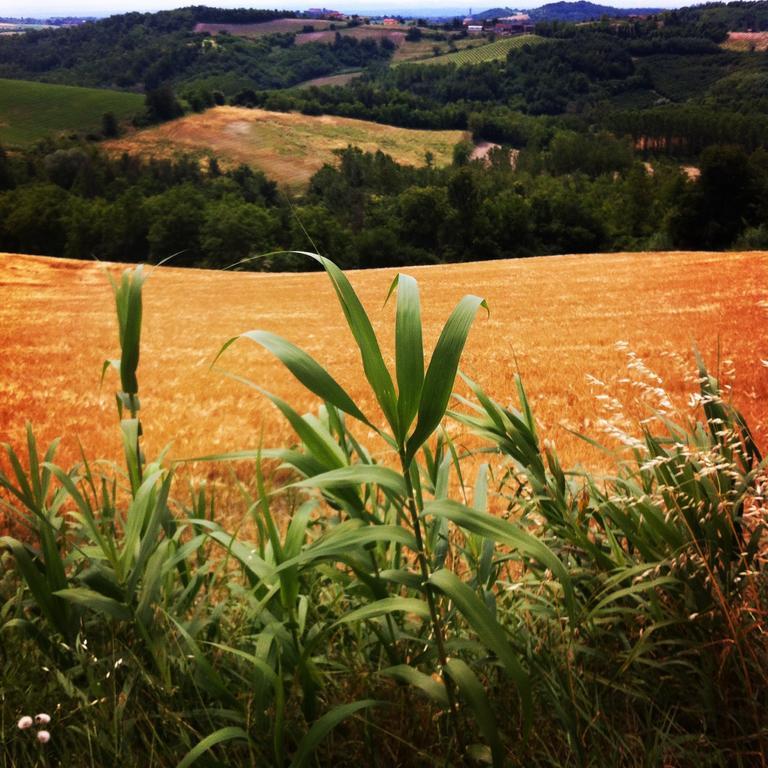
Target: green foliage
x,y
495,51
152,51
31,111
582,621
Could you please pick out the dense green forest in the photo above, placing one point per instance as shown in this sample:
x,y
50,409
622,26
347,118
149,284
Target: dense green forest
x,y
594,127
148,50
583,194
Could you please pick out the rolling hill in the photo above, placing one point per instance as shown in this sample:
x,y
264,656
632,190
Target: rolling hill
x,y
289,147
495,51
31,111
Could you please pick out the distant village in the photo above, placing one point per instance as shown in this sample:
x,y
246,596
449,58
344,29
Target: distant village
x,y
507,26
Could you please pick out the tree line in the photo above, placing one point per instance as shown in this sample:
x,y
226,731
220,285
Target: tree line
x,y
583,194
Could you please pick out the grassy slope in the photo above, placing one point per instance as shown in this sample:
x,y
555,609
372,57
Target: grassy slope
x,y
489,52
30,111
288,147
555,319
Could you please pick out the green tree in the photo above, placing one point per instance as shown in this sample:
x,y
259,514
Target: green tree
x,y
109,126
233,230
421,216
175,224
462,152
161,104
33,219
715,208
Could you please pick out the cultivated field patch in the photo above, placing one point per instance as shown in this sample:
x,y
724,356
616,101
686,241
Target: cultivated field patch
x,y
342,79
31,111
495,51
556,320
289,147
275,27
396,34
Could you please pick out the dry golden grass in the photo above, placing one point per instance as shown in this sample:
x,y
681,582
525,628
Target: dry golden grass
x,y
288,146
746,41
556,318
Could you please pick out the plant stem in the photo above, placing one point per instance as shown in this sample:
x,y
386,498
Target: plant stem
x,y
437,623
135,415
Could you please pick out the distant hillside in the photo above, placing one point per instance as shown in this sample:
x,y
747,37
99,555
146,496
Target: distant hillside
x,y
287,146
563,11
493,13
584,11
140,51
31,111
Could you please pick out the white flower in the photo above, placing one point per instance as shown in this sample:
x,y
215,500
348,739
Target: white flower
x,y
43,737
25,722
42,719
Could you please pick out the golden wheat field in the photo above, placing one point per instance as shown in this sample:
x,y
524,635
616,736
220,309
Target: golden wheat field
x,y
288,146
566,323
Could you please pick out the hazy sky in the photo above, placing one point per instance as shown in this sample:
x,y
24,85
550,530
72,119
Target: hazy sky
x,y
42,8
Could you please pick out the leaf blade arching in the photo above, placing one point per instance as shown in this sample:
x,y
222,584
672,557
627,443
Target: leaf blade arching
x,y
386,606
323,726
409,352
441,372
306,369
506,532
359,323
474,692
488,630
433,689
227,733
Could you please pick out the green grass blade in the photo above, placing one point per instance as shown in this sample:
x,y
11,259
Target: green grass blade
x,y
505,532
433,689
488,630
356,475
52,607
373,363
342,540
129,308
229,733
385,606
95,601
306,369
34,467
323,726
474,693
441,373
245,555
318,442
409,352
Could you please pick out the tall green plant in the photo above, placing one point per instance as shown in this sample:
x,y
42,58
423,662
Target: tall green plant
x,y
412,411
128,303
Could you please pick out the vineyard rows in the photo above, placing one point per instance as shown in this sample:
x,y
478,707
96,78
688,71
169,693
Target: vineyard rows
x,y
490,52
